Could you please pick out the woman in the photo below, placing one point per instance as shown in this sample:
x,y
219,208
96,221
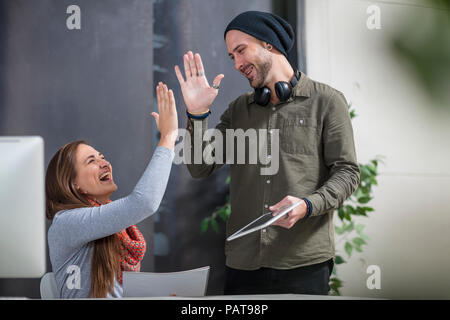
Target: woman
x,y
92,239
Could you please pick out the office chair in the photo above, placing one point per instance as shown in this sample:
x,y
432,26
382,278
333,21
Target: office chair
x,y
49,290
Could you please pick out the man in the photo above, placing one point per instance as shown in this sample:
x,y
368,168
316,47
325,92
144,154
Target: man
x,y
316,154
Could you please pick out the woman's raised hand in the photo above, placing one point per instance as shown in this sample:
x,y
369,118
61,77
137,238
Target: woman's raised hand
x,y
166,118
197,94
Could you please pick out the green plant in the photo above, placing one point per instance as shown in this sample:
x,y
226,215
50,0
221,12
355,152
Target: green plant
x,y
345,228
222,212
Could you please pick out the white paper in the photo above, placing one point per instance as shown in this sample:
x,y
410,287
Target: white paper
x,y
188,283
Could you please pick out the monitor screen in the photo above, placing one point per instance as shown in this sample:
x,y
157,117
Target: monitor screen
x,y
22,207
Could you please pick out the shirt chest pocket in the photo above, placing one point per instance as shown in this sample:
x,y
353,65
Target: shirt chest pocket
x,y
298,135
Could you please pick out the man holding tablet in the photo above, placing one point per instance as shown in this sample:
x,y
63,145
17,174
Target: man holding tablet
x,y
317,161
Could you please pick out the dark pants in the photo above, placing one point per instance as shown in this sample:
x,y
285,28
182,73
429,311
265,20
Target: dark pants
x,y
312,279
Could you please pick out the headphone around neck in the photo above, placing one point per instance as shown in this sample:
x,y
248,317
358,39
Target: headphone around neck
x,y
283,90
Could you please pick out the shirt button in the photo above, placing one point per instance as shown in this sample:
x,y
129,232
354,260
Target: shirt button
x,y
271,131
273,108
266,206
268,181
263,230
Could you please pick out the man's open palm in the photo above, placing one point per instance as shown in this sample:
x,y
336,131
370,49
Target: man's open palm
x,y
197,94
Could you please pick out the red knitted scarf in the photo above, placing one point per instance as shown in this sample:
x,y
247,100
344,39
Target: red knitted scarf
x,y
133,247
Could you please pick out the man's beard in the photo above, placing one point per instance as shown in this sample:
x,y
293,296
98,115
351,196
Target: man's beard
x,y
262,72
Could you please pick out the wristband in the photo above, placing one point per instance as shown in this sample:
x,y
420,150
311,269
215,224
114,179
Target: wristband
x,y
198,117
308,207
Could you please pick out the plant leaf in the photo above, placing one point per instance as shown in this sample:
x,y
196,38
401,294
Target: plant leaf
x,y
365,172
364,236
339,260
364,199
359,228
348,216
372,169
336,281
341,213
223,214
214,225
348,248
349,227
335,284
358,193
359,241
228,210
349,209
204,225
338,230
375,162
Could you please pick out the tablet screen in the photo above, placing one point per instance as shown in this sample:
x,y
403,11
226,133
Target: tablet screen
x,y
263,221
258,222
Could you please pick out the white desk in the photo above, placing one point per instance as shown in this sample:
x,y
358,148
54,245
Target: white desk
x,y
257,297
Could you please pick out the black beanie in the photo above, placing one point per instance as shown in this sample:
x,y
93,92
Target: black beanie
x,y
266,27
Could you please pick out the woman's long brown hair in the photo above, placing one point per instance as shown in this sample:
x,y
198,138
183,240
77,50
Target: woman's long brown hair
x,y
61,194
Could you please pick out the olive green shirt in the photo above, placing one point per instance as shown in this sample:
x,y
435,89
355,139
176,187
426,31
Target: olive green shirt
x,y
317,161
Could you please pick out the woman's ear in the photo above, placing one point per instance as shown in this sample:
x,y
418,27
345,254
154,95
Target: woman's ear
x,y
79,189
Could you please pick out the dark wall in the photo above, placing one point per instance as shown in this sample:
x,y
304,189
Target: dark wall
x,y
95,84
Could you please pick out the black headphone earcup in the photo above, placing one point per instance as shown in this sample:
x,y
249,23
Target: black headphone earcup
x,y
262,96
283,90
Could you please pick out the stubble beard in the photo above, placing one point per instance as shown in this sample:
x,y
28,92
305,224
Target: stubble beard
x,y
263,70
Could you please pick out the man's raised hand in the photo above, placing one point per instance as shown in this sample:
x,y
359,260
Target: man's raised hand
x,y
198,95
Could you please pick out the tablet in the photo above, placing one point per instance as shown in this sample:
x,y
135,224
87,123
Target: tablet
x,y
263,221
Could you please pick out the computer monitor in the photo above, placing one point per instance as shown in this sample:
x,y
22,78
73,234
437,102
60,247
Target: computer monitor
x,y
22,207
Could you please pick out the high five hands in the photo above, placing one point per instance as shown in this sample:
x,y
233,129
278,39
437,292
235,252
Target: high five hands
x,y
166,118
198,95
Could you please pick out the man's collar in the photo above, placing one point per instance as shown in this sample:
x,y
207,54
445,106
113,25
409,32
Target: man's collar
x,y
302,88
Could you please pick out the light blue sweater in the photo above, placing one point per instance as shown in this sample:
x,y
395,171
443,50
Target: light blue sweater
x,y
72,232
